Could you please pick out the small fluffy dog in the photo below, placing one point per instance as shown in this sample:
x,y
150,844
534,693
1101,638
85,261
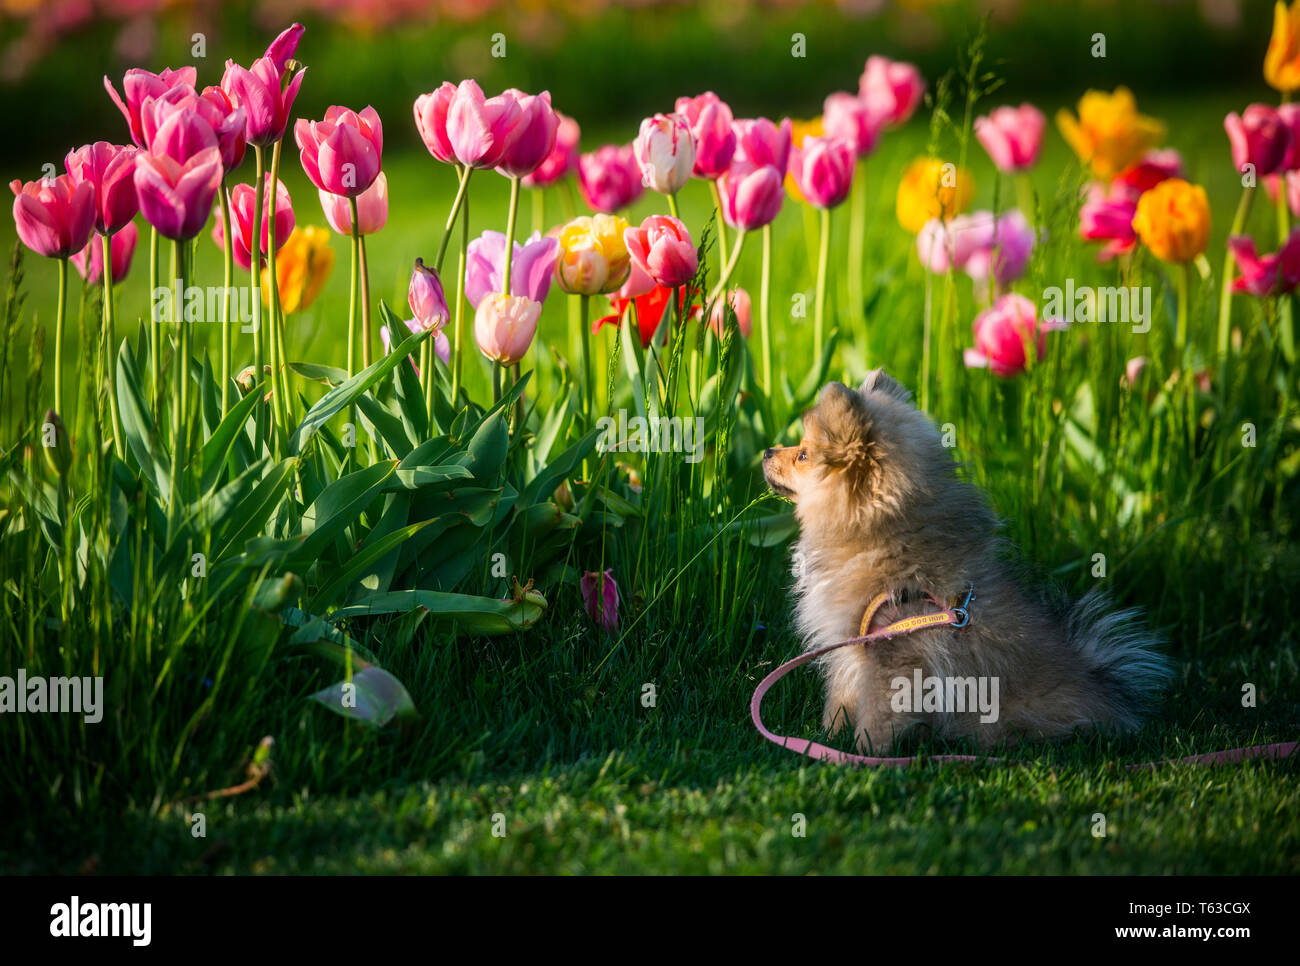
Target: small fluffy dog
x,y
880,509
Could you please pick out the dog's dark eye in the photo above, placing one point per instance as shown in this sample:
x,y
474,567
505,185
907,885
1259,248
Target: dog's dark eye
x,y
802,456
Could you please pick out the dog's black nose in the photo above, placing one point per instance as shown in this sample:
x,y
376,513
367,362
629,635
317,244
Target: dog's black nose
x,y
767,453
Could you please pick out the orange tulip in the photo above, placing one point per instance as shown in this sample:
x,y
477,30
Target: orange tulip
x,y
1282,61
1109,133
302,267
931,188
1173,220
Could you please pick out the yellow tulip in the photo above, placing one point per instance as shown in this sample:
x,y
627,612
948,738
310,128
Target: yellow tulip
x,y
1282,61
301,268
931,188
1173,220
1109,133
593,256
798,131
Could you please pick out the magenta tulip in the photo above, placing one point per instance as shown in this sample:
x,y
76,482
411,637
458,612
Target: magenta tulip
x,y
532,267
441,344
892,89
534,135
563,159
481,129
600,599
55,217
178,125
1262,275
665,152
343,153
1006,251
710,122
1258,138
242,201
504,326
372,209
110,170
282,49
177,198
751,197
431,121
1289,115
1003,334
662,247
426,298
142,85
1012,136
759,142
1107,215
850,117
822,168
229,122
610,178
89,262
266,100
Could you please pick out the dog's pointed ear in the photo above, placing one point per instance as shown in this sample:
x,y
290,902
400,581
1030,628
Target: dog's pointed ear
x,y
878,380
841,423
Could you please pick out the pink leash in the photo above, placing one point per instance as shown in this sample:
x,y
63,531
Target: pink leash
x,y
957,617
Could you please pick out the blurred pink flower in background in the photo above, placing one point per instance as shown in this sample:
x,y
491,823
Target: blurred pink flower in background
x,y
1258,137
563,159
610,178
1262,275
848,116
709,119
740,303
760,142
243,197
1003,333
89,262
892,89
1108,209
1012,136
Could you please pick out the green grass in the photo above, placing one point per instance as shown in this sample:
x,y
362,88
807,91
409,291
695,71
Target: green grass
x,y
546,727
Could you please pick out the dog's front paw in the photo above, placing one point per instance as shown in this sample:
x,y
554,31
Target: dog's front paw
x,y
835,717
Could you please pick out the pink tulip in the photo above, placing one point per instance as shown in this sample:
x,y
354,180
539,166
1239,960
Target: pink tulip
x,y
532,266
89,262
266,101
740,303
662,246
638,283
1002,334
426,298
242,199
760,142
1012,136
110,170
1289,115
610,178
1262,275
282,49
847,116
822,168
945,245
174,127
431,121
504,326
1006,250
665,151
1107,215
1259,138
710,122
481,129
600,599
177,198
343,153
891,88
55,217
563,158
372,209
534,135
1133,370
141,85
441,344
229,122
751,197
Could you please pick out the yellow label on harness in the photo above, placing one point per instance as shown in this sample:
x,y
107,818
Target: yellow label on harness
x,y
918,622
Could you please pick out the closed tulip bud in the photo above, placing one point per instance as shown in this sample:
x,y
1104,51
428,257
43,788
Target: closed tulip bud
x,y
1173,220
610,178
372,209
1259,138
55,217
342,154
710,122
89,262
504,326
110,170
751,197
662,247
1012,136
533,137
426,298
759,142
823,169
600,599
665,152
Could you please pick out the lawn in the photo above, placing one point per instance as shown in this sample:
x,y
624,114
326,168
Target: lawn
x,y
534,751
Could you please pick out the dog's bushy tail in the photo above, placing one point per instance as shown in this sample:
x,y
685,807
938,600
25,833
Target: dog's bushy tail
x,y
1122,654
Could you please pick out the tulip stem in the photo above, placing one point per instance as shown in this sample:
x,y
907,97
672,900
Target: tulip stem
x,y
765,310
58,339
857,241
365,304
457,349
1225,295
823,261
255,272
496,382
428,357
155,325
456,207
229,278
584,309
279,364
1183,281
109,337
722,225
509,255
539,210
730,267
672,205
352,311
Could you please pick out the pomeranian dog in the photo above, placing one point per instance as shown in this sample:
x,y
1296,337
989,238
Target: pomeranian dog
x,y
881,509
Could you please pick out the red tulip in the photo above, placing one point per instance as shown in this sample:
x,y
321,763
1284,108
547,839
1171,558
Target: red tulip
x,y
342,154
142,85
822,168
891,88
850,117
110,170
534,134
1259,138
177,198
662,247
242,200
563,158
89,262
751,197
650,305
610,178
55,217
710,122
372,209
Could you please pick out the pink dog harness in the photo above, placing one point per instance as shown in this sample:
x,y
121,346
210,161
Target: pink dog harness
x,y
956,617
